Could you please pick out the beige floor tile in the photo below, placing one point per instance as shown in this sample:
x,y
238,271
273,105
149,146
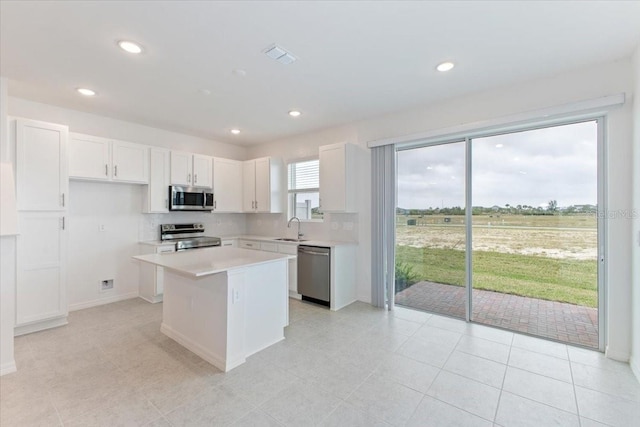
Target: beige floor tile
x,y
386,400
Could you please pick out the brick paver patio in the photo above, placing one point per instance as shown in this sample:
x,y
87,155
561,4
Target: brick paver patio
x,y
556,320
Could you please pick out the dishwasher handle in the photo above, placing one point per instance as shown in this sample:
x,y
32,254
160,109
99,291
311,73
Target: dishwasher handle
x,y
303,251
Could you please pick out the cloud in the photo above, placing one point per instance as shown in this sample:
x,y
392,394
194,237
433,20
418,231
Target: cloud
x,y
527,168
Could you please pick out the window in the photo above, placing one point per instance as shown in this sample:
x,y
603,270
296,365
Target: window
x,y
304,189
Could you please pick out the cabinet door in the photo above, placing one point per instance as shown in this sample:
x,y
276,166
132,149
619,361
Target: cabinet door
x,y
263,185
227,185
89,157
202,171
40,272
249,186
332,178
158,191
181,171
130,162
41,166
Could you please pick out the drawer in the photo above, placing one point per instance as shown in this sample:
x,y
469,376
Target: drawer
x,y
269,247
165,249
229,243
288,249
249,244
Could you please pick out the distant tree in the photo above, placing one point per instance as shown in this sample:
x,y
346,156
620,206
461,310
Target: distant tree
x,y
552,206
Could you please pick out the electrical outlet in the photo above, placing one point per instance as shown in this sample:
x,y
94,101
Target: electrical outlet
x,y
106,285
101,227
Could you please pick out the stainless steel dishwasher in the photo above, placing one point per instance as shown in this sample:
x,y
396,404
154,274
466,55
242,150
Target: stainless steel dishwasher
x,y
314,274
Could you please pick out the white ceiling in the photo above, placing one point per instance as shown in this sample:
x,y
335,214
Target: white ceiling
x,y
355,59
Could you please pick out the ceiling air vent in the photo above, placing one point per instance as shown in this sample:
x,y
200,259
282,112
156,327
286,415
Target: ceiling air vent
x,y
279,54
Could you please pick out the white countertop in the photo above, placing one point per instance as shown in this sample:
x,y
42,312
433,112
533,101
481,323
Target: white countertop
x,y
312,242
207,261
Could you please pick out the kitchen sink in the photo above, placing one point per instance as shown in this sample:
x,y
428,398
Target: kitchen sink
x,y
287,239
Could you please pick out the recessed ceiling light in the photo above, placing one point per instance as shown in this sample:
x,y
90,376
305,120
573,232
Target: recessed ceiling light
x,y
235,131
445,66
499,145
129,46
294,113
86,92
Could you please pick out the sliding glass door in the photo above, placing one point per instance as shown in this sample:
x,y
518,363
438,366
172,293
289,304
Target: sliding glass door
x,y
535,233
533,262
431,229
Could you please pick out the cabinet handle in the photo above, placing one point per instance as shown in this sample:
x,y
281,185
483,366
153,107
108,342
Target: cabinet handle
x,y
106,170
215,204
253,204
256,205
63,225
166,203
188,177
115,170
195,178
62,199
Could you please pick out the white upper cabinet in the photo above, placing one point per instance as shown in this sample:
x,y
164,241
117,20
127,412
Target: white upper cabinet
x,y
262,185
191,170
41,166
101,159
181,168
89,157
130,162
157,196
338,165
227,185
202,171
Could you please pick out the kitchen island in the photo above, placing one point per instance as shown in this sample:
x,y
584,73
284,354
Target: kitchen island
x,y
224,304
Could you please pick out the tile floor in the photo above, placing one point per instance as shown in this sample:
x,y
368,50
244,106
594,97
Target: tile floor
x,y
359,366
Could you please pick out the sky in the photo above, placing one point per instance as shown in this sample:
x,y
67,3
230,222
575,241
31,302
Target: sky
x,y
524,168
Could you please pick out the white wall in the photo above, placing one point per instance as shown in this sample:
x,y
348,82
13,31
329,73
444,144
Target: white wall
x,y
581,84
99,255
7,257
635,304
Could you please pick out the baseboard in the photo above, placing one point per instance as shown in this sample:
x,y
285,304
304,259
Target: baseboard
x,y
295,295
218,362
152,300
102,301
8,368
620,356
39,326
634,362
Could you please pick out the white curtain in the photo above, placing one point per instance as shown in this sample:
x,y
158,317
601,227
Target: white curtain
x,y
383,231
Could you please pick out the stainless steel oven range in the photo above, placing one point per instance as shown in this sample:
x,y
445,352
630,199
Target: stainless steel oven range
x,y
187,236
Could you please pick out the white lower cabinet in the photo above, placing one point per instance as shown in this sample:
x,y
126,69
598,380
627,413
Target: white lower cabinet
x,y
41,294
289,249
151,285
231,243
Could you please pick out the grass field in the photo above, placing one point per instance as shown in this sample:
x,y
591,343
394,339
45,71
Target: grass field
x,y
546,257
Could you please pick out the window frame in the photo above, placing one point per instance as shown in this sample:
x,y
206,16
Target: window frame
x,y
291,193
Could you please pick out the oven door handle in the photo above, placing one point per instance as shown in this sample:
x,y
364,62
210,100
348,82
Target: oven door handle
x,y
204,199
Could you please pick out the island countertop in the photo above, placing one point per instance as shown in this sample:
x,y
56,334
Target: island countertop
x,y
208,261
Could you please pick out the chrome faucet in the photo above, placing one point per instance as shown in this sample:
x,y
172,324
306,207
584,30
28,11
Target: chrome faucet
x,y
289,226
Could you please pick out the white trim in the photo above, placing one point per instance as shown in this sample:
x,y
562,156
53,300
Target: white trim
x,y
617,355
216,360
102,301
40,325
634,362
575,110
8,368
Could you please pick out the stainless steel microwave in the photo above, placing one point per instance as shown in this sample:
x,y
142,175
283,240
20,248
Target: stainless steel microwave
x,y
190,198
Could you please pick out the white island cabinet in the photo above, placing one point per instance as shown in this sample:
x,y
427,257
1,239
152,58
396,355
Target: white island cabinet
x,y
224,304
